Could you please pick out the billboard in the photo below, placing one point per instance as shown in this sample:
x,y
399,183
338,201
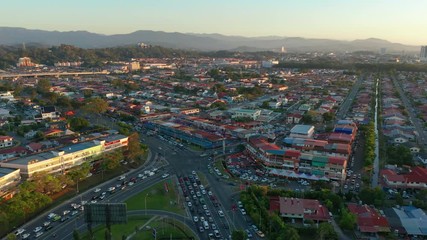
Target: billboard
x,y
108,213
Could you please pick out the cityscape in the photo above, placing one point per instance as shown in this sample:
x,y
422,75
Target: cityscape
x,y
173,133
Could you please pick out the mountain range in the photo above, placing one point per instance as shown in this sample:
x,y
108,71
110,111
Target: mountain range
x,y
202,42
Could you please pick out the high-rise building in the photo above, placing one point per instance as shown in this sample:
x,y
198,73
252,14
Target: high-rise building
x,y
25,62
423,54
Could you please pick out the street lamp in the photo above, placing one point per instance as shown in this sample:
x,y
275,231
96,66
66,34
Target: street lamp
x,y
145,200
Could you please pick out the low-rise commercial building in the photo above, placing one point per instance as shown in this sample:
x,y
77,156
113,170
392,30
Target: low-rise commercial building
x,y
9,177
65,158
302,131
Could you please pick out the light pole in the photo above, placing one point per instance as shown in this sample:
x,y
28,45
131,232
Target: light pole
x,y
145,201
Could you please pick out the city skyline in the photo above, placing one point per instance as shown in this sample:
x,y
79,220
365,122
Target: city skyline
x,y
395,21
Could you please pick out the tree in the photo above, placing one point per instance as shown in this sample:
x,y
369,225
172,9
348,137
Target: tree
x,y
328,116
348,219
11,236
96,105
308,118
374,196
43,86
291,234
112,160
77,123
326,231
135,151
107,234
79,173
238,235
265,105
76,235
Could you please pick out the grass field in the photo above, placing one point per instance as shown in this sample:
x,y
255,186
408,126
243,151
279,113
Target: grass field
x,y
119,230
165,229
157,198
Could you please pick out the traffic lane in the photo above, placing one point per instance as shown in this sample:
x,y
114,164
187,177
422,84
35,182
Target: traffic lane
x,y
118,196
224,195
81,226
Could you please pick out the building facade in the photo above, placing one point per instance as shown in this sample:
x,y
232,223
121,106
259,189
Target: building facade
x,y
60,160
423,54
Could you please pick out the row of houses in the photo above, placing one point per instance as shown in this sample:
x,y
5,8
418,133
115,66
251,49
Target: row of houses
x,y
371,222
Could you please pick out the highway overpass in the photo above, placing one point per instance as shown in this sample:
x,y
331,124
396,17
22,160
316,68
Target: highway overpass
x,y
49,74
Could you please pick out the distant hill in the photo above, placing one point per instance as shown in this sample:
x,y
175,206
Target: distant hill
x,y
203,42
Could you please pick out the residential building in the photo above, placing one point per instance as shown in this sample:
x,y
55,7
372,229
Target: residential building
x,y
7,96
300,209
48,112
369,220
6,141
134,66
245,113
416,178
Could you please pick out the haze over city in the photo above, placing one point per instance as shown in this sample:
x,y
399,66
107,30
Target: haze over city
x,y
399,21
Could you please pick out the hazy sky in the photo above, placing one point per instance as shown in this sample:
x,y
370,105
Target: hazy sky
x,y
402,21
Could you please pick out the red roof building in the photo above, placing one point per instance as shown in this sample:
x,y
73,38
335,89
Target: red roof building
x,y
368,219
297,208
416,178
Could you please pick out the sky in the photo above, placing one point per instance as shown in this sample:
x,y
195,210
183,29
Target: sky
x,y
402,21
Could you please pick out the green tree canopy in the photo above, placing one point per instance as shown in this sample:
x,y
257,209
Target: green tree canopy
x,y
43,86
96,105
326,231
238,235
77,123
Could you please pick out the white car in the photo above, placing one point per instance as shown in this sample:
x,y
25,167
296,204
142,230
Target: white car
x,y
19,231
140,175
25,236
39,234
165,175
195,219
193,172
220,213
189,204
97,190
37,229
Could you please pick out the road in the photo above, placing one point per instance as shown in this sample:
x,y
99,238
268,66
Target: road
x,y
118,196
182,162
422,139
345,106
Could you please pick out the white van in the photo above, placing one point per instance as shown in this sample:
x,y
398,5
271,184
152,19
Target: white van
x,y
206,225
